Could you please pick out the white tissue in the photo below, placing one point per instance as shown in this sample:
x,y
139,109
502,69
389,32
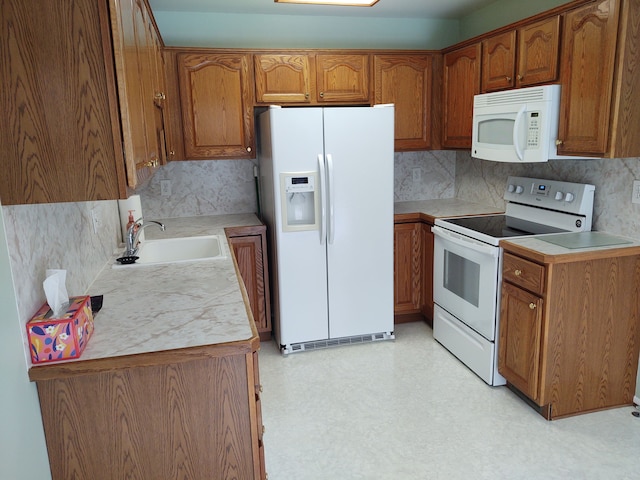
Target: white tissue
x,y
55,290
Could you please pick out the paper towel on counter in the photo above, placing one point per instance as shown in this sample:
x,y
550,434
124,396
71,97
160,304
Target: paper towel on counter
x,y
55,289
131,203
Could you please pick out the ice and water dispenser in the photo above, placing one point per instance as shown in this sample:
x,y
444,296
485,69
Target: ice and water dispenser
x,y
299,201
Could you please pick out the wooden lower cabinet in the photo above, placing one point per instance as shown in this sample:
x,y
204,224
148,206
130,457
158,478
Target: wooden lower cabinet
x,y
569,329
192,413
249,245
407,268
413,272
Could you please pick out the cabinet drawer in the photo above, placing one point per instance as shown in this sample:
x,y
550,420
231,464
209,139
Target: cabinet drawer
x,y
523,273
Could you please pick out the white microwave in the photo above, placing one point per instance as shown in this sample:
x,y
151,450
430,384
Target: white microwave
x,y
519,126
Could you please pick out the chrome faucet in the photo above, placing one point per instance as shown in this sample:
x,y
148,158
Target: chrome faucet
x,y
133,234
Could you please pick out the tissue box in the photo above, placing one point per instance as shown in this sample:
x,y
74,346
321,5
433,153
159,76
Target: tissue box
x,y
55,339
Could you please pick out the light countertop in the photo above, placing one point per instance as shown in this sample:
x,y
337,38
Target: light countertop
x,y
171,306
536,248
441,208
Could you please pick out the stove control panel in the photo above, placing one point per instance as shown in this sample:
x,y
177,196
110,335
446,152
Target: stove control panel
x,y
568,197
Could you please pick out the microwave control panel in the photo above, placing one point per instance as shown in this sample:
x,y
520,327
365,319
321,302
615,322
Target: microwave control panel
x,y
533,130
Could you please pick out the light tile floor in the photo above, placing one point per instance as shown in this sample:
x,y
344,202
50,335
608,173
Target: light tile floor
x,y
408,409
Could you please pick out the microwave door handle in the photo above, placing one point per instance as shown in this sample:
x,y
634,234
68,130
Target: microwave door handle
x,y
516,129
466,242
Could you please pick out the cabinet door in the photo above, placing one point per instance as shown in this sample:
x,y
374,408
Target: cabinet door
x,y
217,105
135,58
407,267
538,52
249,246
499,62
587,68
342,78
405,81
520,337
282,78
427,272
461,82
60,136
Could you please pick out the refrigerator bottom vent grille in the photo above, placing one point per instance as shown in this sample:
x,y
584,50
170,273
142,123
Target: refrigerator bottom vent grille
x,y
336,342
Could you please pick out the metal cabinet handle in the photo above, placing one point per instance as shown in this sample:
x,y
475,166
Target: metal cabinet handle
x,y
306,95
249,149
508,78
153,163
532,306
520,77
321,94
559,142
518,273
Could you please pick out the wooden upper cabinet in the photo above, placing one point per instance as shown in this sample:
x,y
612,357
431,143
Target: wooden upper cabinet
x,y
499,62
217,105
405,81
60,136
599,108
533,49
342,78
138,59
461,81
588,62
282,78
538,52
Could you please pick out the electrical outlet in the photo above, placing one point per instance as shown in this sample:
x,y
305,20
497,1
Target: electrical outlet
x,y
165,188
417,175
95,221
635,198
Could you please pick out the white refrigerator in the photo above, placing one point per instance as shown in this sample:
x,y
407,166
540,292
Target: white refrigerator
x,y
326,193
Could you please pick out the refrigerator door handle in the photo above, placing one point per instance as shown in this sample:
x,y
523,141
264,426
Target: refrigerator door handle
x,y
323,199
332,221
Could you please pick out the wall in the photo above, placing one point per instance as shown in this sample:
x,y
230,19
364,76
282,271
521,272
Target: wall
x,y
217,187
501,13
23,452
290,31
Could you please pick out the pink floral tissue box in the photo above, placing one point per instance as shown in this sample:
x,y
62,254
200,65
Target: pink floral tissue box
x,y
55,339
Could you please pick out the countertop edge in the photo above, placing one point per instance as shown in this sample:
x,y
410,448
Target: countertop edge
x,y
146,359
583,254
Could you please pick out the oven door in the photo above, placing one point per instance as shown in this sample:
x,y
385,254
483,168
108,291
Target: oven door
x,y
466,274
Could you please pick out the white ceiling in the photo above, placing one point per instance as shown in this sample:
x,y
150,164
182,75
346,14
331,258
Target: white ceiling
x,y
383,9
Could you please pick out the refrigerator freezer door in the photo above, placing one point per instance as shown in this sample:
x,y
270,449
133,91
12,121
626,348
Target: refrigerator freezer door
x,y
295,141
360,253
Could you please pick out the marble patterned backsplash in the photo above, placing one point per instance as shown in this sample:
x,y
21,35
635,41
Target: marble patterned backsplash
x,y
483,181
218,187
202,187
60,236
436,169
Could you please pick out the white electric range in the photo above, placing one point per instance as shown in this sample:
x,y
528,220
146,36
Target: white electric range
x,y
468,263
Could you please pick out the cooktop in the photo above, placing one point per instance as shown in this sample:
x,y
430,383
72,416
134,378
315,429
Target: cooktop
x,y
502,226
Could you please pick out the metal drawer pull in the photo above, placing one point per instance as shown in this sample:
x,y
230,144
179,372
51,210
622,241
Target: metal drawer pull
x,y
532,306
518,273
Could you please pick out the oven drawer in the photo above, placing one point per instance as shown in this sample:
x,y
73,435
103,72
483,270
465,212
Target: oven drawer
x,y
523,273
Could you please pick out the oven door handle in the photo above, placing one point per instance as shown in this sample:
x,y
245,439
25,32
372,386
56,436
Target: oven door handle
x,y
466,242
